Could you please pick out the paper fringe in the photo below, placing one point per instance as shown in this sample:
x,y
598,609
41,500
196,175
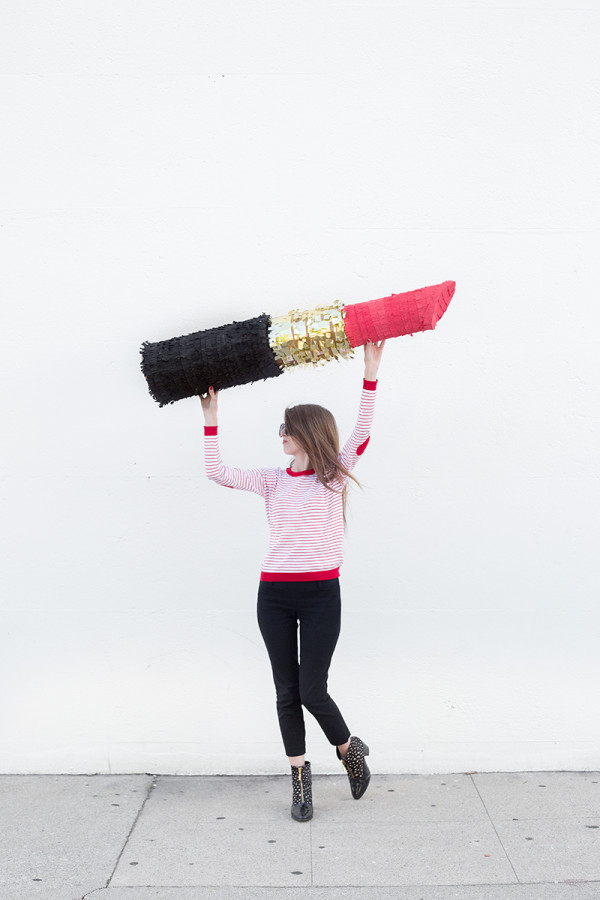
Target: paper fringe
x,y
305,337
225,356
397,314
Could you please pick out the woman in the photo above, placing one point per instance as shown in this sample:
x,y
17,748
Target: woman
x,y
299,581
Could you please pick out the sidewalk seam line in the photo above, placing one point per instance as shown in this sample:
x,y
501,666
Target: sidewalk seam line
x,y
510,862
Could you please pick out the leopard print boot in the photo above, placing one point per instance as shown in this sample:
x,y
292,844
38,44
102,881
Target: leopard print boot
x,y
356,766
302,808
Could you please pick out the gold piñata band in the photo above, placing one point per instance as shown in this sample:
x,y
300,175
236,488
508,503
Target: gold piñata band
x,y
305,337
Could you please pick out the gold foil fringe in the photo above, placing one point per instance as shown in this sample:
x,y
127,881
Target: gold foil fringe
x,y
306,337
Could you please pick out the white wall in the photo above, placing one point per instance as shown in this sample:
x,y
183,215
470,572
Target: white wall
x,y
169,167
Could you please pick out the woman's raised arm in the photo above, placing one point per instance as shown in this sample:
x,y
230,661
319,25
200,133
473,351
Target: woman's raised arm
x,y
356,444
254,480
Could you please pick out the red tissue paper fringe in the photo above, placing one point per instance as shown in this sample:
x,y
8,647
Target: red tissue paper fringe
x,y
397,314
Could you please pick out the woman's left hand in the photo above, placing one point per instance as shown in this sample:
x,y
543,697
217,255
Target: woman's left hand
x,y
373,353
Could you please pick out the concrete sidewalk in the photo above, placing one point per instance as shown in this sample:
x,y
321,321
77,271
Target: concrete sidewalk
x,y
489,836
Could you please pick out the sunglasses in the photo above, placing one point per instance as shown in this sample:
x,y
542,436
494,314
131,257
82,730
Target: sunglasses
x,y
283,430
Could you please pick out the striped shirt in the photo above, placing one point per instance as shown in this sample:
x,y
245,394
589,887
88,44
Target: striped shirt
x,y
305,518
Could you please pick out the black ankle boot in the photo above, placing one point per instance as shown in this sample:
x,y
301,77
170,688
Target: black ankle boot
x,y
302,808
356,766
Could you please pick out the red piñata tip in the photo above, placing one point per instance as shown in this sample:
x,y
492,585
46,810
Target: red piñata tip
x,y
397,314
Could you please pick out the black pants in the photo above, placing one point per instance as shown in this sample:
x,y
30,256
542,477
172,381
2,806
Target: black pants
x,y
316,607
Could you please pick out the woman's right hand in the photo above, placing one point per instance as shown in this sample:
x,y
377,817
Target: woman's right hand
x,y
209,405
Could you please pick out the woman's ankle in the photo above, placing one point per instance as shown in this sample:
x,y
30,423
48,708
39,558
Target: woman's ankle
x,y
297,760
343,748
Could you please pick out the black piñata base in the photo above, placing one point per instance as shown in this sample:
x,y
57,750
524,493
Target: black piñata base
x,y
225,356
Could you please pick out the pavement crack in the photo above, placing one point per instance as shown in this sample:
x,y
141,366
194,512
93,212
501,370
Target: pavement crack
x,y
130,832
310,844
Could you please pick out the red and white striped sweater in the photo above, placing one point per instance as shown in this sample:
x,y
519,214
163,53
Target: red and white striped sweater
x,y
305,518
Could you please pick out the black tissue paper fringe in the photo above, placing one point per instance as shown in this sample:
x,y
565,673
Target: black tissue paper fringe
x,y
225,356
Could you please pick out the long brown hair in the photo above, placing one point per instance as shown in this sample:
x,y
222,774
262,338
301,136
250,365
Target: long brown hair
x,y
315,430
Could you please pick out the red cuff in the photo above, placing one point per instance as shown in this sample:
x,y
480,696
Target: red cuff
x,y
370,385
210,429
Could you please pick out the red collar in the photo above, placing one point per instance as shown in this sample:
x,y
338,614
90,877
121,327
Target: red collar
x,y
305,472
